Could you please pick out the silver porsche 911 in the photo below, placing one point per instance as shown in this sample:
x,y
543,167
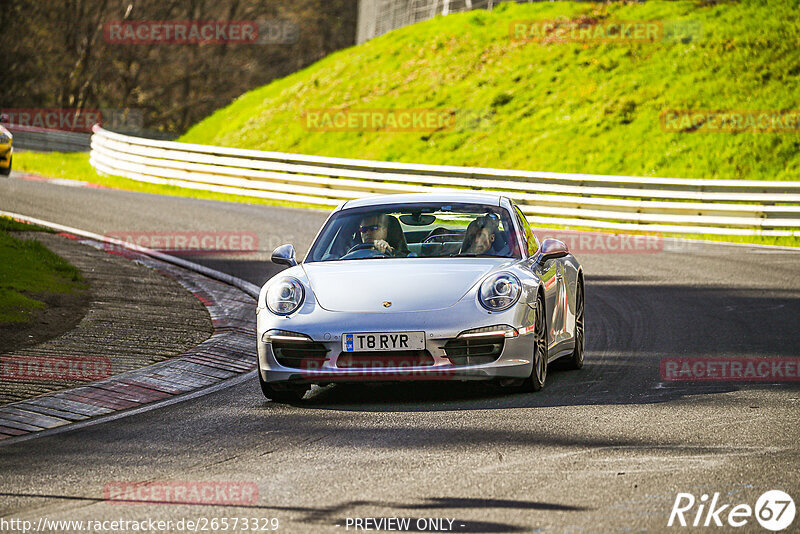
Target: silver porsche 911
x,y
450,286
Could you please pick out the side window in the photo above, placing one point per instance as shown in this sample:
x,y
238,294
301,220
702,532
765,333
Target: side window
x,y
530,240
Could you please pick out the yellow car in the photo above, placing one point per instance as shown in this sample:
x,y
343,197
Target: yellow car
x,y
6,150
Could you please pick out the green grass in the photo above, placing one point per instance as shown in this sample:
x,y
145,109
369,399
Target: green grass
x,y
563,107
28,272
8,224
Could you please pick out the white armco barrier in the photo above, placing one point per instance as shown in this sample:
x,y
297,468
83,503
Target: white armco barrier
x,y
619,203
43,140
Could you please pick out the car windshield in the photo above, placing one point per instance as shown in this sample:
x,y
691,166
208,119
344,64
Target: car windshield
x,y
421,230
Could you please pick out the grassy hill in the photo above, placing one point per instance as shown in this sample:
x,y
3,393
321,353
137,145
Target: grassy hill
x,y
546,105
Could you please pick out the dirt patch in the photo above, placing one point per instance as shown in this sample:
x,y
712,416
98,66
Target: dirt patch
x,y
63,312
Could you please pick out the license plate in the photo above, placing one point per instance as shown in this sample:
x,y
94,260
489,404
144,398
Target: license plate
x,y
383,341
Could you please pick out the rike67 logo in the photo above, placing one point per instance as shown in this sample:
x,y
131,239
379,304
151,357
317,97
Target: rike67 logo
x,y
774,510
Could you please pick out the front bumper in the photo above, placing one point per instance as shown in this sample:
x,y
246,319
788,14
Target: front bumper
x,y
440,326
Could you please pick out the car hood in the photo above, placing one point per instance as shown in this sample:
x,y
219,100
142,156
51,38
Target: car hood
x,y
411,285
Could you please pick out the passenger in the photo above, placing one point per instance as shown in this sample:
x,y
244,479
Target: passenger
x,y
385,233
481,236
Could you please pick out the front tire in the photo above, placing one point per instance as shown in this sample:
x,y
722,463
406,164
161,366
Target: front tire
x,y
6,172
576,360
535,382
283,393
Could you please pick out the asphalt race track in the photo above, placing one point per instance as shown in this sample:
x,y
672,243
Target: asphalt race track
x,y
604,449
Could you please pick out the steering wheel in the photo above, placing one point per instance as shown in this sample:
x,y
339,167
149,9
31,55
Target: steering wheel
x,y
364,246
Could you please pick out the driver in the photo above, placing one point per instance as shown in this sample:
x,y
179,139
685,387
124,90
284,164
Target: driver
x,y
375,230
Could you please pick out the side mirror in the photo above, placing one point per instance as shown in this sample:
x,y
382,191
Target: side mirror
x,y
3,118
552,249
284,255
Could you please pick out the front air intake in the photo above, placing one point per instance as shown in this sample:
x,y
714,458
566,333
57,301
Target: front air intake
x,y
300,354
475,350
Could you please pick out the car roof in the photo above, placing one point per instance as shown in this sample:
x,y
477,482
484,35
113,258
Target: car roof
x,y
406,198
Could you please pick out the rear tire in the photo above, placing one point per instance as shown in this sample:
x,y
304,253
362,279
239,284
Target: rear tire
x,y
576,360
535,382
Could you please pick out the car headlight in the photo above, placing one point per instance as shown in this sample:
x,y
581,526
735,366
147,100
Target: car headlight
x,y
4,139
499,291
285,296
